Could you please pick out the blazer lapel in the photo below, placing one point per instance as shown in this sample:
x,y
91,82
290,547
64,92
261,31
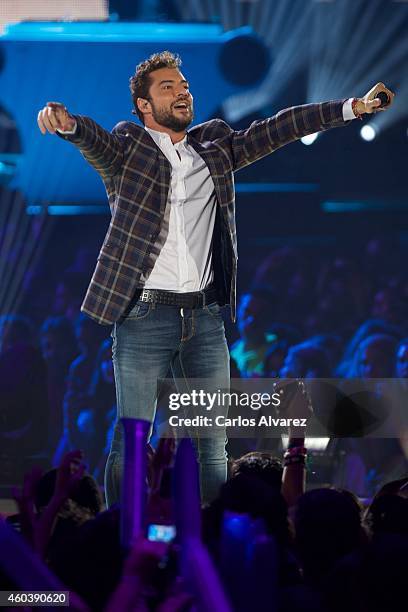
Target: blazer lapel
x,y
165,179
210,161
164,170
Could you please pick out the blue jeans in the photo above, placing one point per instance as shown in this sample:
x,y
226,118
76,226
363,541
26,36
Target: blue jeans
x,y
149,341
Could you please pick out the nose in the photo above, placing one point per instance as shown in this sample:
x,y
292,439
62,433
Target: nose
x,y
182,93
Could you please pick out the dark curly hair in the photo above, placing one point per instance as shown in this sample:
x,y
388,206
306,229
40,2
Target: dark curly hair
x,y
140,82
264,465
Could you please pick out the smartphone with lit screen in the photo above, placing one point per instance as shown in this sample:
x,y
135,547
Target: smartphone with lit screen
x,y
161,533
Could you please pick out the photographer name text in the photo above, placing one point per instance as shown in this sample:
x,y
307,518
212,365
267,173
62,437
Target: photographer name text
x,y
239,421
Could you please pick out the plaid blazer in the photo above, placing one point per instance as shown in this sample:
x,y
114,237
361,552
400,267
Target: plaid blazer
x,y
136,175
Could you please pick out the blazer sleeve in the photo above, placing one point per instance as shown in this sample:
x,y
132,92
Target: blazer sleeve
x,y
104,150
264,137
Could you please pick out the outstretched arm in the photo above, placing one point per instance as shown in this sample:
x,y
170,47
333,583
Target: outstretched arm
x,y
288,125
102,149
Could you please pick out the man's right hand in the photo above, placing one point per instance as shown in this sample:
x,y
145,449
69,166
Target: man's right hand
x,y
55,116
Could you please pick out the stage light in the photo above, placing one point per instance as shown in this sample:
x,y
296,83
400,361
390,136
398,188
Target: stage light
x,y
372,39
368,133
254,58
283,28
308,140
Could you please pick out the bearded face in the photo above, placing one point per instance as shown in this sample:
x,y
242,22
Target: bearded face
x,y
176,116
169,103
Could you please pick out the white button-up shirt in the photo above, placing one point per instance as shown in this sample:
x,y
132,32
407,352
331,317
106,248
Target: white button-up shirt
x,y
185,261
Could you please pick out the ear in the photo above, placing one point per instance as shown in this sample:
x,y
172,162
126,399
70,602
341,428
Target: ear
x,y
144,106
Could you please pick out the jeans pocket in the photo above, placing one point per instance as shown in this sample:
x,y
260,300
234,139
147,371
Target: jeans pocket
x,y
140,310
214,310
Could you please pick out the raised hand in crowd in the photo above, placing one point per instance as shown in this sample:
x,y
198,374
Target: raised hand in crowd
x,y
295,406
38,528
160,460
159,504
143,585
24,498
138,578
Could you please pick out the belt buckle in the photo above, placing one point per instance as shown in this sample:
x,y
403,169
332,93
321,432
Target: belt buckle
x,y
145,297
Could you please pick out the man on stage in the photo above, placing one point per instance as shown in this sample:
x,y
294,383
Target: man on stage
x,y
168,262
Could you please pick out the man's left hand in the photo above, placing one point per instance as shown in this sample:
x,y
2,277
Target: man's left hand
x,y
370,103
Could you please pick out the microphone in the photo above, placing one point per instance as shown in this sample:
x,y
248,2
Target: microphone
x,y
385,99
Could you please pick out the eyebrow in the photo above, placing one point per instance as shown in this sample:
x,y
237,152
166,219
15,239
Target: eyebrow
x,y
173,81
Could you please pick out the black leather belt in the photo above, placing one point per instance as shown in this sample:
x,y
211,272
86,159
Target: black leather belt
x,y
194,299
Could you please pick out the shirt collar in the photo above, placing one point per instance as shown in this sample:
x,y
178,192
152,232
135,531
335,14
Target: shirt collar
x,y
163,137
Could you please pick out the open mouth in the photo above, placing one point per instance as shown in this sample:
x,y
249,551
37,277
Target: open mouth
x,y
182,106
